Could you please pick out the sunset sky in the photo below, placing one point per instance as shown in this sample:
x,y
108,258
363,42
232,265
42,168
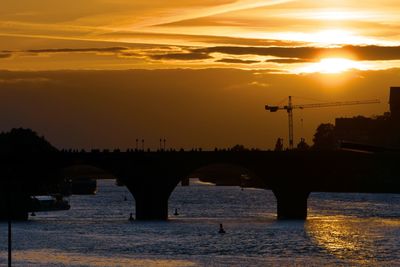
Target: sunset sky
x,y
101,73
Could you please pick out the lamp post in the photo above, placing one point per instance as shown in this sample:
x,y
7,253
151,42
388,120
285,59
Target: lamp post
x,y
9,227
9,241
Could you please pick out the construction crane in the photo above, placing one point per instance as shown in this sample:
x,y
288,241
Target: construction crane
x,y
289,108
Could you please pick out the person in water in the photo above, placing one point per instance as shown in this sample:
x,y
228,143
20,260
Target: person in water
x,y
221,229
131,217
176,212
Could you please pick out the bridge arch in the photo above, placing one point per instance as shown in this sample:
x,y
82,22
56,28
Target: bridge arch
x,y
220,173
217,176
152,188
291,201
82,178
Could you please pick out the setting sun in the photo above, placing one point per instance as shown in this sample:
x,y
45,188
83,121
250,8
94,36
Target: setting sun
x,y
332,65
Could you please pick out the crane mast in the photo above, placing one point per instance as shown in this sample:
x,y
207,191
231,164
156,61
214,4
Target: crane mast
x,y
290,116
289,108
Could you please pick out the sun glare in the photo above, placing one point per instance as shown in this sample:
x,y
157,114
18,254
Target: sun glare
x,y
332,65
337,15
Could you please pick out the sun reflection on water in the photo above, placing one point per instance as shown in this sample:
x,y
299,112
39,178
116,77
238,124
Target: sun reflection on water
x,y
348,238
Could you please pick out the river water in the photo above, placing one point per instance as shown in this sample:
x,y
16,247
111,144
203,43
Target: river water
x,y
341,229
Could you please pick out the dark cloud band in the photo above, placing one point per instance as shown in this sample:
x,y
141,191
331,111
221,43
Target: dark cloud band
x,y
181,56
371,52
288,60
284,55
237,61
78,50
5,55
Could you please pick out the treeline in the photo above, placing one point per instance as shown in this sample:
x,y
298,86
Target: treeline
x,y
20,140
324,139
28,163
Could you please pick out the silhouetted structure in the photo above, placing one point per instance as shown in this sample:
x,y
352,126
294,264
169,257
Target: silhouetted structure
x,y
394,101
185,181
383,130
290,107
279,144
151,177
239,148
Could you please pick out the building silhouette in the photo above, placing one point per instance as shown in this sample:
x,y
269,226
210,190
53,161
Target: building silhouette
x,y
382,130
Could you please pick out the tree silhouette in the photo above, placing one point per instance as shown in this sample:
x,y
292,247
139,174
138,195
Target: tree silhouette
x,y
28,161
25,141
27,167
324,137
302,145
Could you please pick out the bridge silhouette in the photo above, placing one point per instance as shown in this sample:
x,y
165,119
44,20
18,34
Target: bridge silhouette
x,y
151,177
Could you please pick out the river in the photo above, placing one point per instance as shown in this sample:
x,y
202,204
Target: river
x,y
341,229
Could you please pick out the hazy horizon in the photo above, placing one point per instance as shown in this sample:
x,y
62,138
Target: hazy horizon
x,y
190,108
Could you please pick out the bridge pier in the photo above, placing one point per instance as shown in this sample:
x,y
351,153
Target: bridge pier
x,y
185,181
291,204
151,207
151,199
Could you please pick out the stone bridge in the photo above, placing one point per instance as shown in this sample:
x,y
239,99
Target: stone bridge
x,y
152,176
